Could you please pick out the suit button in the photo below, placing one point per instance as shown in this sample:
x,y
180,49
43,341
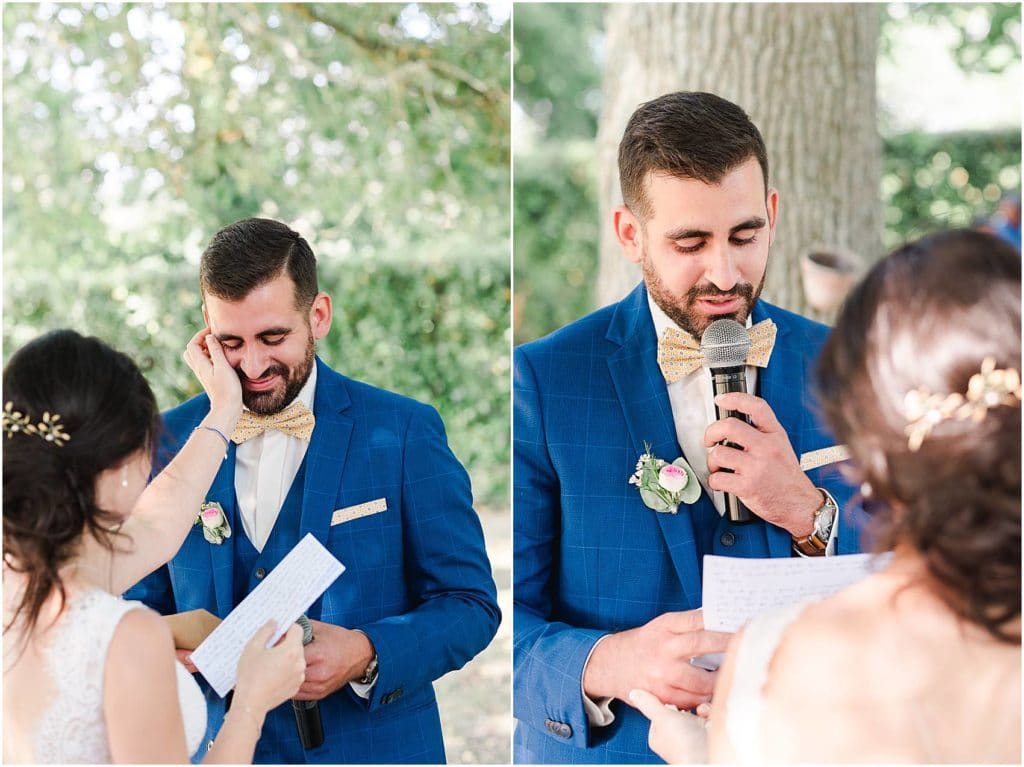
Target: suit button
x,y
561,729
260,573
728,538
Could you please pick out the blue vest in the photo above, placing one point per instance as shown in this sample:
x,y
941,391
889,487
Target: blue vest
x,y
715,534
251,567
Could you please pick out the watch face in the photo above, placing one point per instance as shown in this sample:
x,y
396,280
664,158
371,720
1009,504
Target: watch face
x,y
823,521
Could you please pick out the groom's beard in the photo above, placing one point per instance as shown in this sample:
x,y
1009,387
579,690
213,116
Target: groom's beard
x,y
683,310
277,399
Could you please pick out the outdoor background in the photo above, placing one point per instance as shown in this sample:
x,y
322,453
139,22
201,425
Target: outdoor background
x,y
943,108
131,133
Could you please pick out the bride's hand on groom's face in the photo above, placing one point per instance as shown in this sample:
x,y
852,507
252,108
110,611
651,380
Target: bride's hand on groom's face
x,y
205,356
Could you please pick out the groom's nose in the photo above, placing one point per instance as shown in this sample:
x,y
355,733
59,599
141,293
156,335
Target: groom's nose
x,y
253,362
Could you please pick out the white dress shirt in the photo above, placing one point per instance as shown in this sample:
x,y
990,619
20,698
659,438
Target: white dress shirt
x,y
265,467
693,410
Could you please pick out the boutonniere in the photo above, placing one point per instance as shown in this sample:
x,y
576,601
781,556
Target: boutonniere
x,y
663,486
215,523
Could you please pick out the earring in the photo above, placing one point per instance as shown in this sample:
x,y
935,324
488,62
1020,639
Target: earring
x,y
866,490
124,477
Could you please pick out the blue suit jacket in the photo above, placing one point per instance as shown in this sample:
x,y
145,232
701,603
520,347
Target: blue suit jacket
x,y
590,557
418,580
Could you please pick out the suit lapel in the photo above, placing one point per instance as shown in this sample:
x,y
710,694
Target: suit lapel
x,y
222,556
781,385
643,395
325,457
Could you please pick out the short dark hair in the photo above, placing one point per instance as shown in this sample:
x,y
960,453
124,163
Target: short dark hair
x,y
926,317
108,410
685,135
252,252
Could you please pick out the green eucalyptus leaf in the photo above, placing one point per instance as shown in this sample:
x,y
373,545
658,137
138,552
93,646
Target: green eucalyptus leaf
x,y
691,492
654,501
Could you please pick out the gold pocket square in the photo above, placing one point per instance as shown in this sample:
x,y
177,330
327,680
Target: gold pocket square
x,y
359,510
824,457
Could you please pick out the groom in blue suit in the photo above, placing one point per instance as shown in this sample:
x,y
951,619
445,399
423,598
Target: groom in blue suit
x,y
607,590
368,473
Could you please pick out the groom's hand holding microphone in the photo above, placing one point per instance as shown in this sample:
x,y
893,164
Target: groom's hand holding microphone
x,y
334,658
755,462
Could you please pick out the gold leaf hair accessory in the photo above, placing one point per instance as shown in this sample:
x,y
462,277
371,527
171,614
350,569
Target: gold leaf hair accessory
x,y
49,429
988,389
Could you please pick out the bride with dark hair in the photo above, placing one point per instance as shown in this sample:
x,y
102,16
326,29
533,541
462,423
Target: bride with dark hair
x,y
919,662
88,676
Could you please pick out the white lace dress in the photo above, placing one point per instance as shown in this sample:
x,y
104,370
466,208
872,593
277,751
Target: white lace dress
x,y
72,729
761,638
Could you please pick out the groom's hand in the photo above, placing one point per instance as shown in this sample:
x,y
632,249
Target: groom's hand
x,y
656,657
334,658
764,472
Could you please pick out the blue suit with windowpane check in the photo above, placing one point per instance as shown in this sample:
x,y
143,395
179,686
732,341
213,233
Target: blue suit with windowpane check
x,y
418,580
590,557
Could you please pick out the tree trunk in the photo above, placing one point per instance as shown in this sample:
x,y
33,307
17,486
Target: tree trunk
x,y
806,76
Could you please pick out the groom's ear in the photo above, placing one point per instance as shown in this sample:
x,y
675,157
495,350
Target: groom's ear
x,y
206,316
320,316
628,231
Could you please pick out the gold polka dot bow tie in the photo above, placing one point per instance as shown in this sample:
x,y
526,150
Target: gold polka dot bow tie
x,y
296,420
679,353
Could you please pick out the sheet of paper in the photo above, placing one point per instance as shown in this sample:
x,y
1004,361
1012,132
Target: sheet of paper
x,y
736,590
290,588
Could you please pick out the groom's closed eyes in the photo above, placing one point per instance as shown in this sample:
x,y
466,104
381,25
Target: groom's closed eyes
x,y
269,337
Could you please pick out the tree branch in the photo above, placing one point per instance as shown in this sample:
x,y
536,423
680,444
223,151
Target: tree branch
x,y
422,53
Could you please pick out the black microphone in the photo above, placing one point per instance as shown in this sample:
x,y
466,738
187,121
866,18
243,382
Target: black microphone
x,y
307,712
725,344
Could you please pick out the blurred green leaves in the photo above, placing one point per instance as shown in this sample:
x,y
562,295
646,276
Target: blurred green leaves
x,y
933,181
986,36
378,131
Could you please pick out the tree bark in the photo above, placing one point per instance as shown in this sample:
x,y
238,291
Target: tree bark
x,y
805,73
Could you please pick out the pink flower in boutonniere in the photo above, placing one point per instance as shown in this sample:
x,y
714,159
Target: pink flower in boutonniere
x,y
663,486
215,523
672,478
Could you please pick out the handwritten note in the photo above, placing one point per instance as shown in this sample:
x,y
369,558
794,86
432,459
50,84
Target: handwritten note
x,y
736,590
284,595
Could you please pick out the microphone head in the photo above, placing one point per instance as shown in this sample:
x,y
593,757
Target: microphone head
x,y
307,629
725,344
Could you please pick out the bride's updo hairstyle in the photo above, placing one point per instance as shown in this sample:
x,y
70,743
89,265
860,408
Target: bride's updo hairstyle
x,y
107,411
945,469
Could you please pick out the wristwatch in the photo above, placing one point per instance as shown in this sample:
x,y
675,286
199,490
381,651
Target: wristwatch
x,y
371,672
370,675
814,545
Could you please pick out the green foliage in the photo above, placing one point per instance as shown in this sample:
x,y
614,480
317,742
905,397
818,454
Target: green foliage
x,y
561,89
986,36
555,231
558,49
932,181
378,131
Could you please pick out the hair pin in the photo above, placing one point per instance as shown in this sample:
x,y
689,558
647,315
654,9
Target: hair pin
x,y
49,429
987,389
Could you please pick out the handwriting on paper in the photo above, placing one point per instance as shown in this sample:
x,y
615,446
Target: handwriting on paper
x,y
290,588
736,590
